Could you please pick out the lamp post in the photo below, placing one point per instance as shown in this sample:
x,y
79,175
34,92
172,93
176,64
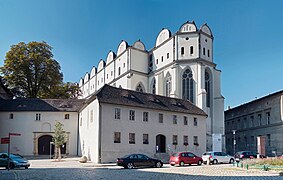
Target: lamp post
x,y
51,143
234,142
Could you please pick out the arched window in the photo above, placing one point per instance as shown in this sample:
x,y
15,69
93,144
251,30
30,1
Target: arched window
x,y
168,84
139,88
182,50
188,85
153,86
207,88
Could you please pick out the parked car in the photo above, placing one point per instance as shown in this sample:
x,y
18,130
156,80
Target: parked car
x,y
16,161
216,157
138,160
244,155
182,158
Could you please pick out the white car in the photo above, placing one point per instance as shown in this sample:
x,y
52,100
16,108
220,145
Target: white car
x,y
217,157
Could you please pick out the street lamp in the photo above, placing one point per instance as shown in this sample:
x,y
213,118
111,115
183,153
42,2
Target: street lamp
x,y
234,142
51,143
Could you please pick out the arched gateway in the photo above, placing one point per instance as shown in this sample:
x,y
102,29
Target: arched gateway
x,y
44,145
160,143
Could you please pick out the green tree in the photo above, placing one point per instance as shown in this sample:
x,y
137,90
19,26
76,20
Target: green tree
x,y
59,138
63,91
31,69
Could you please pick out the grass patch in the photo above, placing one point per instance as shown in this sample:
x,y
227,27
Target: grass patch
x,y
275,161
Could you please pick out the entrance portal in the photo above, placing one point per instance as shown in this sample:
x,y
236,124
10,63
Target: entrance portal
x,y
44,145
160,143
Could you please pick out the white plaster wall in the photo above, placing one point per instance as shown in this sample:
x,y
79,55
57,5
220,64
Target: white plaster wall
x,y
122,62
25,124
100,81
111,150
207,45
88,132
162,50
108,69
92,84
138,60
182,42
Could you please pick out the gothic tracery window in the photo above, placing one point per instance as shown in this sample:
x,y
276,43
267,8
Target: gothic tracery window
x,y
139,88
188,85
168,84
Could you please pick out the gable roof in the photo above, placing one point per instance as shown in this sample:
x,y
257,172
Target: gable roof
x,y
118,96
29,104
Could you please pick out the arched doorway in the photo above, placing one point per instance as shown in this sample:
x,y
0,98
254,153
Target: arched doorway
x,y
44,145
160,143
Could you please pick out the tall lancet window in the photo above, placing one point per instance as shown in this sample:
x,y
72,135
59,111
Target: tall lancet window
x,y
139,88
168,85
153,86
207,88
188,85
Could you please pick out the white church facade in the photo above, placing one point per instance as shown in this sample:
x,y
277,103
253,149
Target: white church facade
x,y
179,66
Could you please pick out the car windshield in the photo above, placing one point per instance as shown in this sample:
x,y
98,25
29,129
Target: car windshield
x,y
207,153
175,154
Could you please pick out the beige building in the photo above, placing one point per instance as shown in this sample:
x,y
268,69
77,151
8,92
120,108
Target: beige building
x,y
261,117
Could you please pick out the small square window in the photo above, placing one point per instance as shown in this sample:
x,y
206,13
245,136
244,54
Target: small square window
x,y
11,116
67,116
37,117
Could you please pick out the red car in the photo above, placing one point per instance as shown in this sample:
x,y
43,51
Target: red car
x,y
182,158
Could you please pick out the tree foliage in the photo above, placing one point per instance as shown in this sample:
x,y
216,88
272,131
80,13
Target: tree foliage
x,y
31,69
59,137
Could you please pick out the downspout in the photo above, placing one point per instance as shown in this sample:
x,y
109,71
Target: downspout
x,y
99,131
78,137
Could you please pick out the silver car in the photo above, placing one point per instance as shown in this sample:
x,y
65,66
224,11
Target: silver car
x,y
215,157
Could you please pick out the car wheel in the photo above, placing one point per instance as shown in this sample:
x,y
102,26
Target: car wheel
x,y
172,164
231,161
130,166
215,161
199,162
181,163
158,165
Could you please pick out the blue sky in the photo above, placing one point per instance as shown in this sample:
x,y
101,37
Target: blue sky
x,y
248,44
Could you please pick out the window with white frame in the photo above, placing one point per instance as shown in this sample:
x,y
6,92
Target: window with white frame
x,y
145,139
195,121
117,137
145,116
132,138
268,118
185,120
132,115
196,140
117,113
67,116
160,118
37,117
174,119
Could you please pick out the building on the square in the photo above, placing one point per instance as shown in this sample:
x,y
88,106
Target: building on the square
x,y
179,65
115,122
261,117
34,119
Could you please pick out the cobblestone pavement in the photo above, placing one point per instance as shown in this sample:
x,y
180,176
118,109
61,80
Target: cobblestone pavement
x,y
71,169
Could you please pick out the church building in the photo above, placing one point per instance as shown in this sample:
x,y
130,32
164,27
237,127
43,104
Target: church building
x,y
179,66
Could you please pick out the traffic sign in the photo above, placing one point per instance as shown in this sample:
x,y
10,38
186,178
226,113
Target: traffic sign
x,y
14,134
5,140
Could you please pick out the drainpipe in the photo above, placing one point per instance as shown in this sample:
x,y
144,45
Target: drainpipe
x,y
99,132
78,137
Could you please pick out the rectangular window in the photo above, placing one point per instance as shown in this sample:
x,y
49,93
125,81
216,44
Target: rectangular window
x,y
196,140
160,118
81,121
252,121
268,140
186,140
268,118
245,123
192,50
37,117
132,138
132,115
156,61
145,116
208,53
185,120
145,138
174,119
11,116
67,116
117,113
203,51
252,139
91,116
182,50
117,137
167,55
175,139
239,124
195,121
161,58
259,119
